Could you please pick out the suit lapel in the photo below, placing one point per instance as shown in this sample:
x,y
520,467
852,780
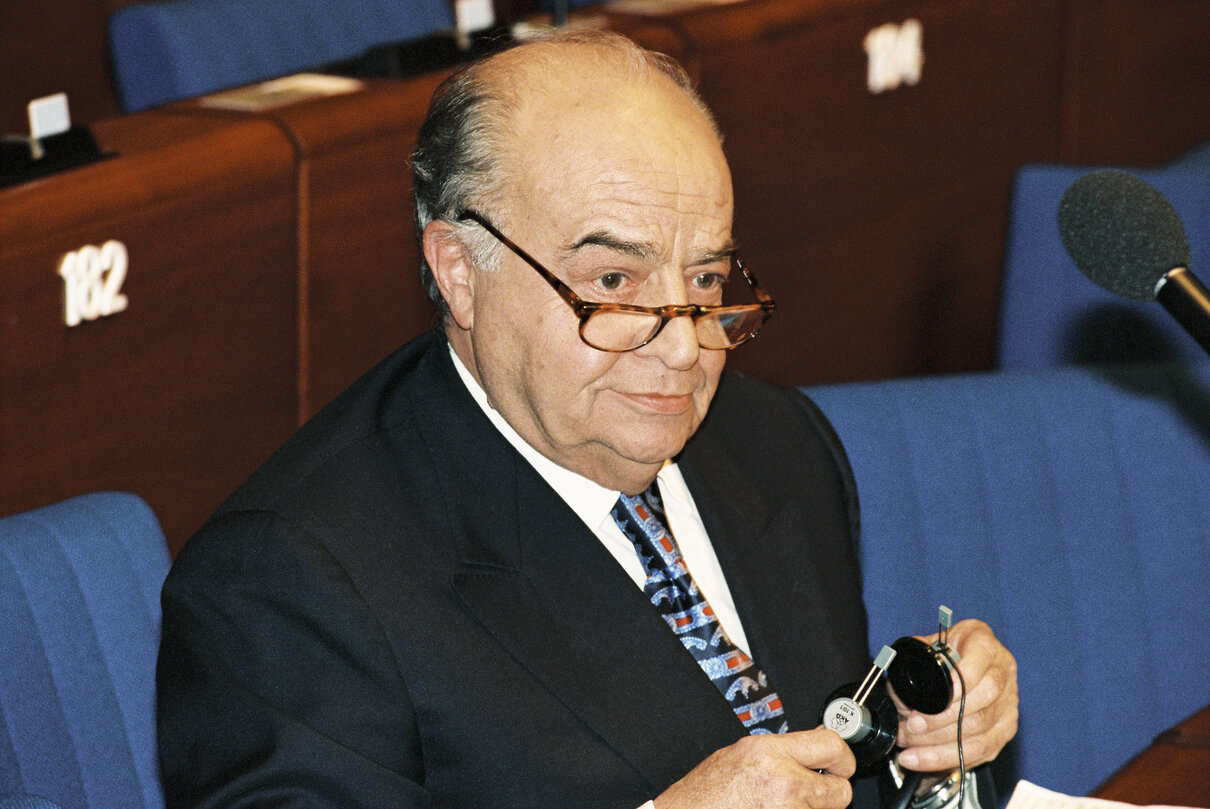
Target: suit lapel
x,y
573,618
538,580
765,552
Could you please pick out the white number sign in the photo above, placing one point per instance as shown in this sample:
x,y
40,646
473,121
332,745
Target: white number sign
x,y
896,55
92,282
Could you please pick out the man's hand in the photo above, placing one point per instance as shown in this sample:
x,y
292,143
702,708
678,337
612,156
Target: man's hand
x,y
769,772
931,742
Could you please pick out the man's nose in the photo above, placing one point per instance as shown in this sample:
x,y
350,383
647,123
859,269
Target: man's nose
x,y
676,345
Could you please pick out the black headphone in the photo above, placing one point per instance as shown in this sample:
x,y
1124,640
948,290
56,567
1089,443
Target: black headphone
x,y
863,713
868,722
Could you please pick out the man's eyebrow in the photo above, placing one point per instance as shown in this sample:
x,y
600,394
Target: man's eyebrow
x,y
647,250
727,252
611,241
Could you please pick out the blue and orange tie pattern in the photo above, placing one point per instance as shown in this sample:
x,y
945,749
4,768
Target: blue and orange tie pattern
x,y
673,592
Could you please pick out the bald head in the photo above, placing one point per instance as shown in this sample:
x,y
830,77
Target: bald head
x,y
483,119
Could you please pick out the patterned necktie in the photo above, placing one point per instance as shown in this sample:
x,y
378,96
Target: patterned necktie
x,y
673,592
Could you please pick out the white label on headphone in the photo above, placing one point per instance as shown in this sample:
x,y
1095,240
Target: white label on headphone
x,y
846,717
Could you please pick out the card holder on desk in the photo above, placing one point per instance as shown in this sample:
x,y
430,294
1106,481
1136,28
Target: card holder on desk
x,y
68,150
438,52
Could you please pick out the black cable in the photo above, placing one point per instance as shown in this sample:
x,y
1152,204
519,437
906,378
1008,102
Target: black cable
x,y
961,713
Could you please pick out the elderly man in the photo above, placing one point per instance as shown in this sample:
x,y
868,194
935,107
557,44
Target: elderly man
x,y
548,555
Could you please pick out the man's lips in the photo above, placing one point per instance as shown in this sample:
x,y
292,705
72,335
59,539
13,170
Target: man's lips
x,y
664,403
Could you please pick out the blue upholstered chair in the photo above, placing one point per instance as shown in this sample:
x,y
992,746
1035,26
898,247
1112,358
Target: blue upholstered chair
x,y
164,50
79,633
1196,159
1069,508
27,802
1051,314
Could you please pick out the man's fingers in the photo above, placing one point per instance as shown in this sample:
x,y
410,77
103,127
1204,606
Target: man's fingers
x,y
989,716
826,751
983,705
803,770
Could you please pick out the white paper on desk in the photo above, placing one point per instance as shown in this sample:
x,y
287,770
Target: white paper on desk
x,y
657,7
1032,796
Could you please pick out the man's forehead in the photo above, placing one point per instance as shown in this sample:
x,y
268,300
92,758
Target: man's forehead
x,y
556,78
620,130
601,150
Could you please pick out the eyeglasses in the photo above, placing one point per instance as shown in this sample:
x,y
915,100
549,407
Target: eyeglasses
x,y
618,327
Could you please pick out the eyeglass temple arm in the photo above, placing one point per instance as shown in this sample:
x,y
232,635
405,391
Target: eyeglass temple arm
x,y
766,300
565,292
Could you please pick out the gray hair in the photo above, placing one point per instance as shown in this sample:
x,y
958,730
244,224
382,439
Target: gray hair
x,y
455,165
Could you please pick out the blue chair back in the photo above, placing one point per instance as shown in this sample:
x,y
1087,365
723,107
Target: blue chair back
x,y
1052,314
1070,509
1196,159
26,802
166,50
79,634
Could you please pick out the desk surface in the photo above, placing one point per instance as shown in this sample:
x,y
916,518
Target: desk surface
x,y
1174,770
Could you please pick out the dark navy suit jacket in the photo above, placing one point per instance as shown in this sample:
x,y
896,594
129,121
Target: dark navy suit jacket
x,y
397,611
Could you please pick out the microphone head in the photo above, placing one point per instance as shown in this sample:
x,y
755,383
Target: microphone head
x,y
1122,233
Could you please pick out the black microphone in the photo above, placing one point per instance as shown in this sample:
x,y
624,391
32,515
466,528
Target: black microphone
x,y
1126,236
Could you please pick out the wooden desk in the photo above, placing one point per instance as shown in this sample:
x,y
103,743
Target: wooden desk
x,y
181,394
1174,770
876,220
357,260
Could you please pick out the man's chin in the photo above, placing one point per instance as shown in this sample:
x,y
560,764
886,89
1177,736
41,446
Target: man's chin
x,y
653,452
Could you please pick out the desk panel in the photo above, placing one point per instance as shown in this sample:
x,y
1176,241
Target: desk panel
x,y
184,392
1138,90
359,265
357,261
877,219
1173,771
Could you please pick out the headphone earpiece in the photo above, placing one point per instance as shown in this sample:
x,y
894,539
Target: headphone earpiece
x,y
920,674
864,715
868,728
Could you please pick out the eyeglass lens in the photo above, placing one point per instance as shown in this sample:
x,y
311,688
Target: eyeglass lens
x,y
622,330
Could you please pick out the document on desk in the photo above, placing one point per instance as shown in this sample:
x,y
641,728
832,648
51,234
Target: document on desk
x,y
1031,796
661,6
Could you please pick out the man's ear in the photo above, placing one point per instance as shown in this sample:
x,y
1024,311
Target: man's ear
x,y
452,269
